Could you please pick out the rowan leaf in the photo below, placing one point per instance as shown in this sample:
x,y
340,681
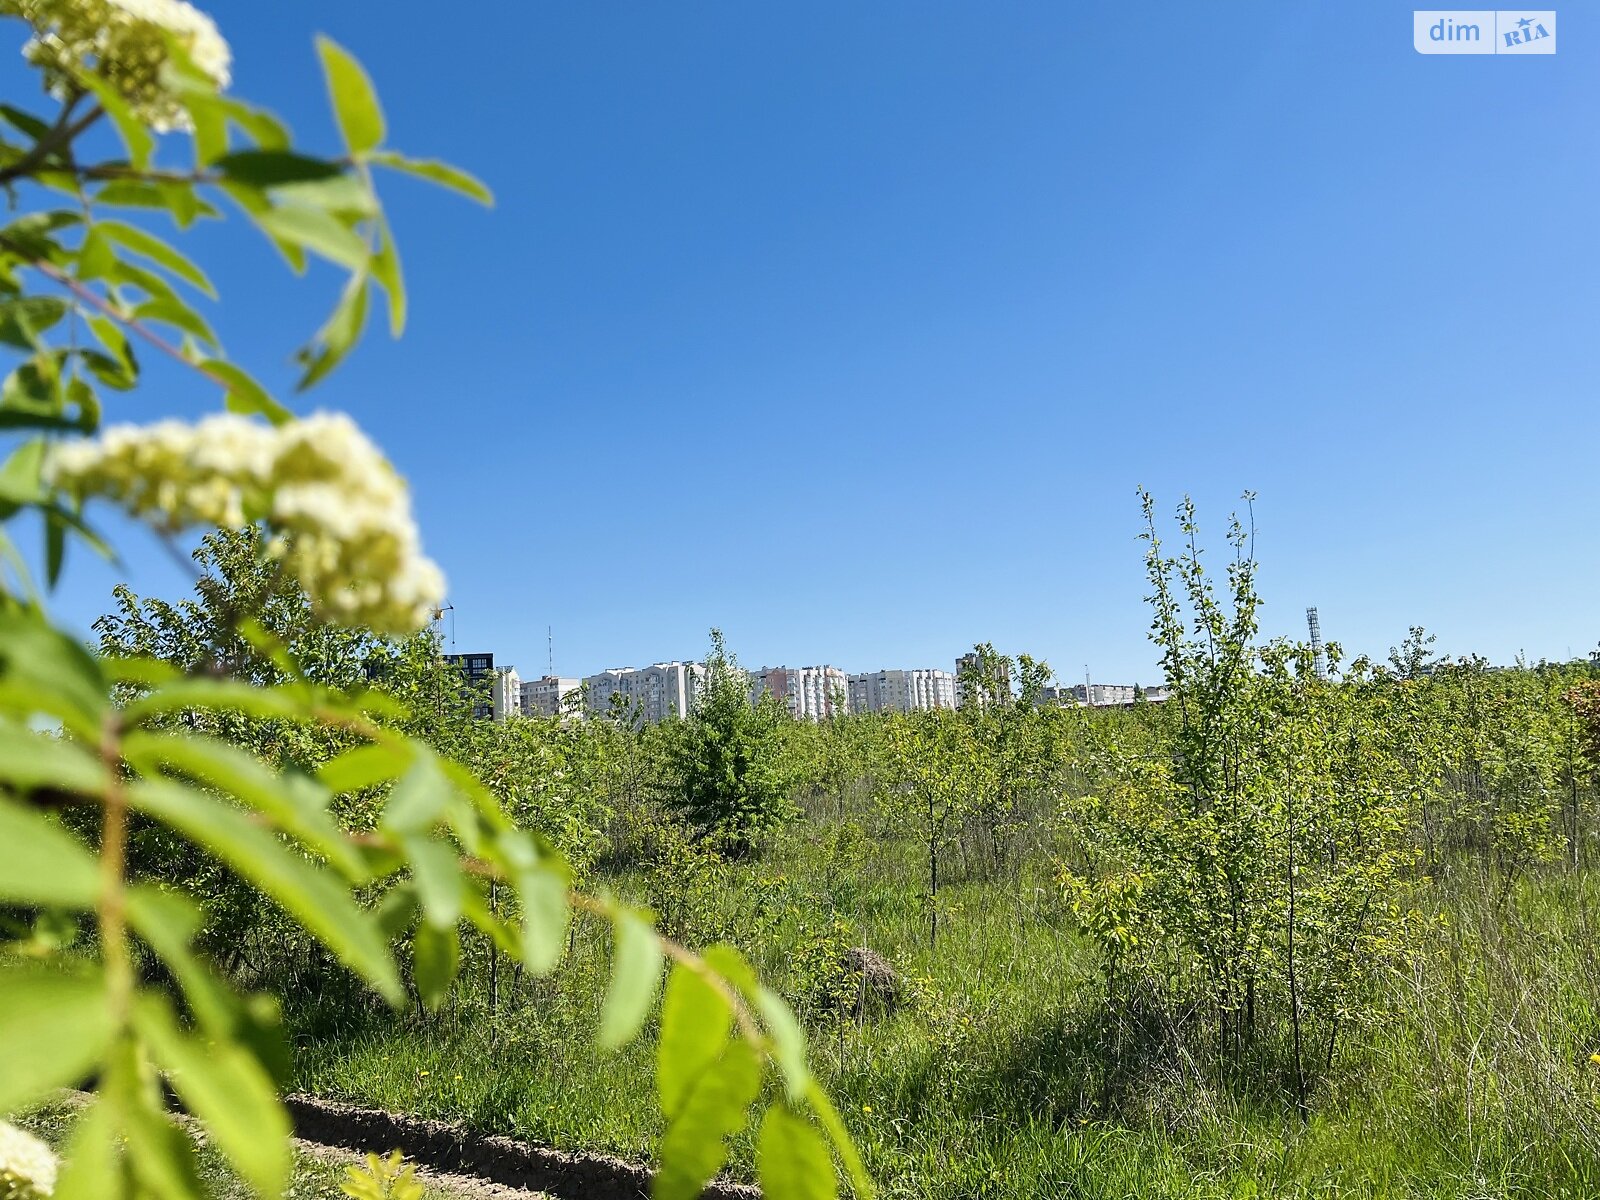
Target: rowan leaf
x,y
635,975
355,103
792,1159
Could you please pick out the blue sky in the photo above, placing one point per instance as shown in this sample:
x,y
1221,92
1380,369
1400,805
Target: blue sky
x,y
852,328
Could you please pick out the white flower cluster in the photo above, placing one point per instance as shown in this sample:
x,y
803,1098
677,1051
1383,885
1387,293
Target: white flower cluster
x,y
338,512
123,42
27,1165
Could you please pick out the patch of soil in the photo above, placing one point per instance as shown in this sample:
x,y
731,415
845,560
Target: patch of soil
x,y
482,1161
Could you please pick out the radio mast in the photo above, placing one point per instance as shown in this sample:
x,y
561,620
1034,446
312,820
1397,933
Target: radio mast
x,y
1319,659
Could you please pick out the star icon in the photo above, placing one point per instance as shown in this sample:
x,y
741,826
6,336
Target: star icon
x,y
1525,22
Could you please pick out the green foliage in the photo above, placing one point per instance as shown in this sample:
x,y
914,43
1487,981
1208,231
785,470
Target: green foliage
x,y
1256,874
730,770
235,747
388,1178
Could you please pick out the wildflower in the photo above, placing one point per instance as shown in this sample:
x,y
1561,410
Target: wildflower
x,y
27,1165
125,43
866,1108
338,513
1595,1059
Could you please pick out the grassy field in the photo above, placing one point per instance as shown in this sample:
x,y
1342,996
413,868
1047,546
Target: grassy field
x,y
1003,1074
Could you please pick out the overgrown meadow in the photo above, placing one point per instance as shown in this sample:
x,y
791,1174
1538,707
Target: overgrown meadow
x,y
1281,935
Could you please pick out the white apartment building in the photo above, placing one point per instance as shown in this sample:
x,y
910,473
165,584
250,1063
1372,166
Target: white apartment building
x,y
812,693
902,691
653,693
1110,695
505,693
546,696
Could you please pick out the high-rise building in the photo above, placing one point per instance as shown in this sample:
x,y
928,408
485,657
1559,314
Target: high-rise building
x,y
652,694
505,693
547,695
902,691
476,672
810,692
970,666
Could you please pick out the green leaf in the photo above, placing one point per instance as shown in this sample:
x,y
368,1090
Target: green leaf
x,y
316,231
22,475
253,202
788,1041
110,335
306,891
696,1020
266,129
45,671
441,173
860,1181
792,1159
731,965
244,394
717,1105
293,802
435,960
419,800
136,139
270,168
348,196
147,245
365,766
31,759
336,337
90,1169
479,912
24,318
177,199
153,284
220,1083
95,255
397,911
168,921
161,1154
436,869
174,312
635,975
43,864
33,388
228,694
54,1030
146,672
386,270
542,890
355,104
55,546
34,127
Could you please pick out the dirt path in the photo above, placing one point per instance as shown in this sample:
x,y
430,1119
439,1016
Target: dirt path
x,y
499,1165
441,1185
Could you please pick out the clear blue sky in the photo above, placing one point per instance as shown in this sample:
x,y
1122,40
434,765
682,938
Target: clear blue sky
x,y
851,328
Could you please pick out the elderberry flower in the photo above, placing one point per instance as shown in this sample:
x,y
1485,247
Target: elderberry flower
x,y
125,43
27,1165
338,513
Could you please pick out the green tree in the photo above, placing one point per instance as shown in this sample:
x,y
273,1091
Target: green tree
x,y
934,774
732,776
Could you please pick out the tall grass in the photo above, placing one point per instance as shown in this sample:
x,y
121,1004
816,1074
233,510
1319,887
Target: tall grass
x,y
1005,1073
